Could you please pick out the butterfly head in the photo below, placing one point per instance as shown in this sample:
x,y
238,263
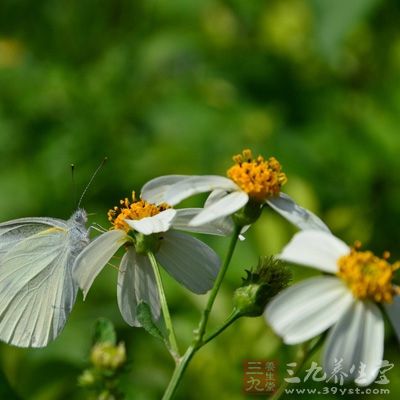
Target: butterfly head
x,y
79,217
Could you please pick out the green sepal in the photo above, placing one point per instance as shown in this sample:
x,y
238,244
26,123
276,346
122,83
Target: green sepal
x,y
144,316
104,332
248,214
146,243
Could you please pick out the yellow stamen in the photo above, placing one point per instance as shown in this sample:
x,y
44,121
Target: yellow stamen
x,y
258,177
368,276
138,209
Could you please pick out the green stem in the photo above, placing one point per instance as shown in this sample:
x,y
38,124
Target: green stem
x,y
305,352
178,372
217,284
229,321
190,352
198,341
172,343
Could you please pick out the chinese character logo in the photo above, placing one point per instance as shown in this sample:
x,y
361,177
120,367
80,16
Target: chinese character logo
x,y
259,377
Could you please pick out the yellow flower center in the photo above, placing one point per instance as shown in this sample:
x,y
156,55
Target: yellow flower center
x,y
257,177
368,276
138,209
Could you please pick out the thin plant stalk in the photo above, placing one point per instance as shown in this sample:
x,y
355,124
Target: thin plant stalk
x,y
198,340
305,352
171,339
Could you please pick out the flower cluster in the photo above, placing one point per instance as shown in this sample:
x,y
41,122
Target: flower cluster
x,y
349,297
150,224
144,227
108,361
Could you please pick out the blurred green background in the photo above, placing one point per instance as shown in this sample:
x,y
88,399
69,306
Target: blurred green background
x,y
176,86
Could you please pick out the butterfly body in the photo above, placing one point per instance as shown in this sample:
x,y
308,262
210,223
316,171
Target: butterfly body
x,y
37,290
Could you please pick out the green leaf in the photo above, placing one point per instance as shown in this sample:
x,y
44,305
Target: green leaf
x,y
104,331
144,316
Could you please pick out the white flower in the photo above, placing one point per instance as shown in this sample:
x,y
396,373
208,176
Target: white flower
x,y
141,226
255,180
344,301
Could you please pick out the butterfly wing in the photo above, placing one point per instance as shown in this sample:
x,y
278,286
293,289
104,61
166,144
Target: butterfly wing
x,y
37,291
11,232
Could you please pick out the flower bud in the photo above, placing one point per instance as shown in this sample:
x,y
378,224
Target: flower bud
x,y
107,356
87,378
260,286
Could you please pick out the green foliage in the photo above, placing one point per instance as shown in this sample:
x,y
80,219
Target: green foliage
x,y
6,392
104,332
145,318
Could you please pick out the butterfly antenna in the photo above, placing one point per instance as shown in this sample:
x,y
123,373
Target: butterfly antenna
x,y
91,180
73,183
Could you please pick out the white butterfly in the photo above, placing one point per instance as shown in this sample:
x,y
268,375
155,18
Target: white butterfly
x,y
37,290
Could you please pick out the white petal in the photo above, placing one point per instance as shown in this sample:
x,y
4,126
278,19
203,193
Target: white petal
x,y
356,340
198,184
298,216
189,261
226,206
307,309
136,283
316,249
154,190
393,311
214,196
158,223
222,226
95,256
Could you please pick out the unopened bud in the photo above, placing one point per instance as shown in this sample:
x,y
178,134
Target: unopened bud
x,y
107,356
260,286
87,378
